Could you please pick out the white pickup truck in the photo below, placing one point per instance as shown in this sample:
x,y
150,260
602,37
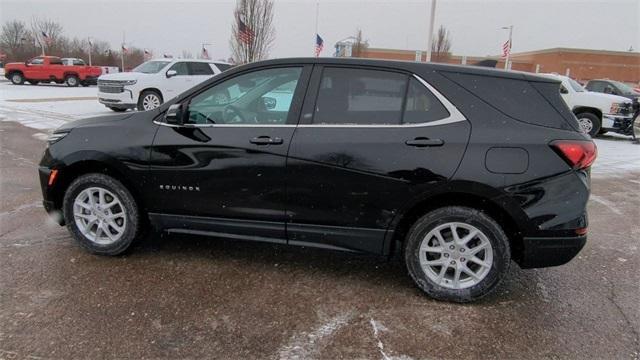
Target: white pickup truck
x,y
597,113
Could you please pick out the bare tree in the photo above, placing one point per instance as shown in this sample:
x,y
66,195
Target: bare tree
x,y
46,26
252,33
359,45
441,47
14,38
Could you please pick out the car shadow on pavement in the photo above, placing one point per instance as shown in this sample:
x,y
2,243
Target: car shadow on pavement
x,y
325,265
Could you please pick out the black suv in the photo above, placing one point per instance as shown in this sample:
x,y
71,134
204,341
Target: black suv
x,y
457,169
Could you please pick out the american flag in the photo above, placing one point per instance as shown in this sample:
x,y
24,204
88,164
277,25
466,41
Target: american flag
x,y
245,34
167,56
506,48
147,54
205,53
47,39
124,49
319,45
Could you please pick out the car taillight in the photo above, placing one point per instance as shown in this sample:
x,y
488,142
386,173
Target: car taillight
x,y
579,154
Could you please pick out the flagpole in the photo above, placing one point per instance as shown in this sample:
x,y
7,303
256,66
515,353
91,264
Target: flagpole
x,y
431,24
89,40
122,49
315,38
506,61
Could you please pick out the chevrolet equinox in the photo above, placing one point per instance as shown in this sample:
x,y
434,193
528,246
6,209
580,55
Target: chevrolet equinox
x,y
458,170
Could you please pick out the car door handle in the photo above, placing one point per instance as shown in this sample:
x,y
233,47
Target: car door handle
x,y
424,142
266,140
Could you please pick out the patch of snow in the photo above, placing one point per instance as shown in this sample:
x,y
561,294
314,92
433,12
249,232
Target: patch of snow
x,y
306,344
617,155
610,205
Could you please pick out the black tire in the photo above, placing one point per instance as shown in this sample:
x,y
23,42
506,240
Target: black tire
x,y
17,78
501,253
146,93
595,122
72,81
116,109
130,208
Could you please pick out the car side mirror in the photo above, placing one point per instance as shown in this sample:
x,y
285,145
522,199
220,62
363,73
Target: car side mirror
x,y
269,103
174,114
171,73
563,90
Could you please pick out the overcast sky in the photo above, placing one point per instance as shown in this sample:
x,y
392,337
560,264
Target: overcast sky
x,y
171,26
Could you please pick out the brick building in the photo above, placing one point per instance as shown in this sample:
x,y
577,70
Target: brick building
x,y
580,64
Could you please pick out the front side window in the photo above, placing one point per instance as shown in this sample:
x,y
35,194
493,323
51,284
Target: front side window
x,y
200,68
360,97
78,62
36,61
259,97
597,86
180,68
151,67
55,61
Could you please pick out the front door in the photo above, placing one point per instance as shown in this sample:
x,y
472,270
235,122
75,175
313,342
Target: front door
x,y
370,142
223,170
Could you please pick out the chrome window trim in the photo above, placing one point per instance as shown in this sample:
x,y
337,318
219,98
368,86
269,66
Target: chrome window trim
x,y
157,122
454,116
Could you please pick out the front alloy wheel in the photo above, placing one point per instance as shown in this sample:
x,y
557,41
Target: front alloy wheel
x,y
149,101
101,214
457,253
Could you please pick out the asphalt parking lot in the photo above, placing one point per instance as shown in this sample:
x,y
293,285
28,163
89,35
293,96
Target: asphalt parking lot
x,y
180,297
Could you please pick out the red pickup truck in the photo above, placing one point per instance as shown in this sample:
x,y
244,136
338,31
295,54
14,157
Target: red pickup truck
x,y
51,69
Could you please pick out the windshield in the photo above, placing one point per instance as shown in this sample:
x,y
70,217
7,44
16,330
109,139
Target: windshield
x,y
151,67
624,88
576,85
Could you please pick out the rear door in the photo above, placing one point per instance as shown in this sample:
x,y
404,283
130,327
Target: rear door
x,y
200,71
370,141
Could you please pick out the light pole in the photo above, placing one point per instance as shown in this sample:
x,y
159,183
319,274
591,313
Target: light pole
x,y
431,24
506,61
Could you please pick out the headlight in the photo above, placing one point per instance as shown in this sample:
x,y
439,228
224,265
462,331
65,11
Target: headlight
x,y
55,137
620,108
129,82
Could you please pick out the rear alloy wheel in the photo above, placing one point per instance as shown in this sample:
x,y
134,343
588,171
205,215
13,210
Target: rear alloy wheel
x,y
72,81
149,100
101,214
589,123
17,79
457,254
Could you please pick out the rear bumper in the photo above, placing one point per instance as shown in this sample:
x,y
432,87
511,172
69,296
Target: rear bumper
x,y
541,252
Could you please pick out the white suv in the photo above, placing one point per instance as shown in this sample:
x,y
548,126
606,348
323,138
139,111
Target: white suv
x,y
597,113
149,85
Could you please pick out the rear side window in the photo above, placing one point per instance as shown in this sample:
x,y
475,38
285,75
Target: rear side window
x,y
55,61
531,102
360,97
223,67
200,68
422,106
